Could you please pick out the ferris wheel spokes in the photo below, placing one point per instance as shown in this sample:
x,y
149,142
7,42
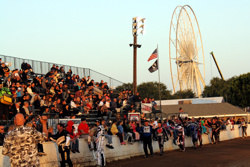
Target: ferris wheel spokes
x,y
185,38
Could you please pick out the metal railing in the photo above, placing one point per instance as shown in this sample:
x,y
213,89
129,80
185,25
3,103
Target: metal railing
x,y
42,67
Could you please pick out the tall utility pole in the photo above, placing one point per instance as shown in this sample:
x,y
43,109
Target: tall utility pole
x,y
137,28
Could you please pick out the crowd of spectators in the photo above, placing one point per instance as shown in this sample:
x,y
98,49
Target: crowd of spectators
x,y
59,92
66,95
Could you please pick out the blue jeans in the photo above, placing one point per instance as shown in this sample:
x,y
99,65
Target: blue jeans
x,y
109,138
75,146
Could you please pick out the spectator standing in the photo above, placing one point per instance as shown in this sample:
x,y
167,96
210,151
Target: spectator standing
x,y
193,128
161,134
63,146
215,131
20,143
147,138
243,126
101,161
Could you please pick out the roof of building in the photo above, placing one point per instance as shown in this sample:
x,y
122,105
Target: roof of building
x,y
193,101
205,110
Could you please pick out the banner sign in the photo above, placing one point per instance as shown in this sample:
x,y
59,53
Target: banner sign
x,y
134,116
146,107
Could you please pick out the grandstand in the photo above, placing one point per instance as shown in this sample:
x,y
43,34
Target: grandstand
x,y
41,69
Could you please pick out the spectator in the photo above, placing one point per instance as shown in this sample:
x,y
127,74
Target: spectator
x,y
127,134
29,90
120,128
115,131
243,127
74,142
146,100
136,134
107,136
154,104
25,138
146,137
91,138
64,147
83,128
25,108
2,135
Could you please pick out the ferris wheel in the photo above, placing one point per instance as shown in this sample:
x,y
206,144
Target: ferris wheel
x,y
186,55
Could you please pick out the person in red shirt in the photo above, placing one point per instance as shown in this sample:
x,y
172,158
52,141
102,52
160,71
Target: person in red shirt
x,y
74,142
83,128
146,100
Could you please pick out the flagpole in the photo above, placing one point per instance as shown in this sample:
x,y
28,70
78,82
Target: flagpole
x,y
159,76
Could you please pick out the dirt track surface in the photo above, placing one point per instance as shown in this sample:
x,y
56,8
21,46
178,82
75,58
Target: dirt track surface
x,y
231,153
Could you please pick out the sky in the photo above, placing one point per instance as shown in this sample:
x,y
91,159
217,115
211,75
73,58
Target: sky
x,y
96,34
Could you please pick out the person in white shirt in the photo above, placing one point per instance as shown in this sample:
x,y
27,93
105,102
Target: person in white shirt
x,y
29,90
101,103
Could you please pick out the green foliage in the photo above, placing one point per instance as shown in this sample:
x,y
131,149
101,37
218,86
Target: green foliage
x,y
239,91
218,87
235,90
124,86
183,94
151,90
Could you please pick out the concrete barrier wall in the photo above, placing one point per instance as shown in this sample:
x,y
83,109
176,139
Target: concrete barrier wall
x,y
85,157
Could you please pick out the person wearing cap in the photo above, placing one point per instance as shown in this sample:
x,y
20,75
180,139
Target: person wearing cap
x,y
19,92
147,138
161,134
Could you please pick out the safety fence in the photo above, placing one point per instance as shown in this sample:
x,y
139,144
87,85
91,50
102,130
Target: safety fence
x,y
41,67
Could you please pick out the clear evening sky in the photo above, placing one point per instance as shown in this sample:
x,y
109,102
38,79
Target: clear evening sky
x,y
96,34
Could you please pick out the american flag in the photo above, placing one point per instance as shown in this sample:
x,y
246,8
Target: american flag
x,y
153,55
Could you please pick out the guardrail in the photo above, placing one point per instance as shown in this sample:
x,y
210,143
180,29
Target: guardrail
x,y
42,67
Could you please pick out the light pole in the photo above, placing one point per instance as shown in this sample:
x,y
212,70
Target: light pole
x,y
138,27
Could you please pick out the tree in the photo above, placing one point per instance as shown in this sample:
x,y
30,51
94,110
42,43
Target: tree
x,y
185,94
151,90
239,91
147,89
235,90
218,87
124,86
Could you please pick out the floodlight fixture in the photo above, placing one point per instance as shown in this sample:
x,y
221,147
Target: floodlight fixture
x,y
138,25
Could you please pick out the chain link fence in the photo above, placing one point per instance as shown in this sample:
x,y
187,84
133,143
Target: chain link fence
x,y
41,67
